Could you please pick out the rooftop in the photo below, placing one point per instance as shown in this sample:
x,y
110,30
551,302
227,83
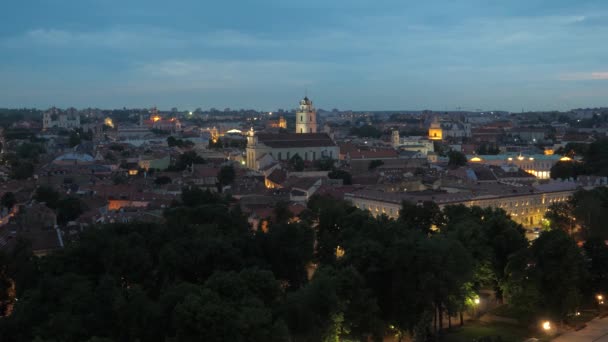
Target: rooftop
x,y
295,140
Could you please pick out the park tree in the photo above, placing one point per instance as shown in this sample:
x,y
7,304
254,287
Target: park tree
x,y
547,279
560,216
421,217
596,253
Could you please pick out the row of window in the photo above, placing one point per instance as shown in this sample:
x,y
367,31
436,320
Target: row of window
x,y
313,155
376,210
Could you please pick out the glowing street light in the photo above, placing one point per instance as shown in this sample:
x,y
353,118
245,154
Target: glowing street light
x,y
546,325
476,301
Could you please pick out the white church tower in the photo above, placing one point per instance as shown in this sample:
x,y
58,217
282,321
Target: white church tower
x,y
306,117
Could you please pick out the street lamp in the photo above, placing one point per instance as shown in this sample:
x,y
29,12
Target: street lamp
x,y
546,325
476,301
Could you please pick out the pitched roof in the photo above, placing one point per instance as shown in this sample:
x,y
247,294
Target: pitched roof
x,y
295,140
277,176
373,153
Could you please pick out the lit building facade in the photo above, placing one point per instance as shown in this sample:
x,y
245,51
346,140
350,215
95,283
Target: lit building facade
x,y
435,130
538,165
524,207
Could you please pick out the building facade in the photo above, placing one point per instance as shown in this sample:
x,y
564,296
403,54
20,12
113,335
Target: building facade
x,y
538,165
54,118
284,146
524,206
435,130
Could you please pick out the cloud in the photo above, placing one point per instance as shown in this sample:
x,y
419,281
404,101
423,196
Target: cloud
x,y
584,76
115,38
193,74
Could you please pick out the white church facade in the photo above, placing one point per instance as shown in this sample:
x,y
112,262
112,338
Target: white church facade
x,y
264,149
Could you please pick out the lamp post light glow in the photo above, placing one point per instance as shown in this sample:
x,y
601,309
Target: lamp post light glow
x,y
476,301
546,325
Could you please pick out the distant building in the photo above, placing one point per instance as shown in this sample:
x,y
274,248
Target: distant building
x,y
538,165
54,118
264,148
414,144
284,146
526,204
280,123
306,117
435,130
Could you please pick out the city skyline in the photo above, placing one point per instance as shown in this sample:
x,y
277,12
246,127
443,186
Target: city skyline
x,y
359,55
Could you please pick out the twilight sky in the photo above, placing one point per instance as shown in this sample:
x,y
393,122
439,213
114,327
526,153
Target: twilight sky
x,y
264,54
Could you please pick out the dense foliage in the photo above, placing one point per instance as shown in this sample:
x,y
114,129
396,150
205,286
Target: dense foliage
x,y
366,131
206,275
594,160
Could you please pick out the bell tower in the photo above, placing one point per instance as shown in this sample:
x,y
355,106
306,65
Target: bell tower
x,y
306,117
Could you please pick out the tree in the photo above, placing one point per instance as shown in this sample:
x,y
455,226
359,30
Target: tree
x,y
547,279
282,213
69,209
366,131
22,170
374,164
289,249
74,139
560,216
47,195
171,141
30,151
186,160
596,252
456,159
226,175
567,169
420,217
162,180
297,163
596,158
8,200
195,196
325,164
344,175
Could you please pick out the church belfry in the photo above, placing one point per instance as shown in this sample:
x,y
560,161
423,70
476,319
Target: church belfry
x,y
306,117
